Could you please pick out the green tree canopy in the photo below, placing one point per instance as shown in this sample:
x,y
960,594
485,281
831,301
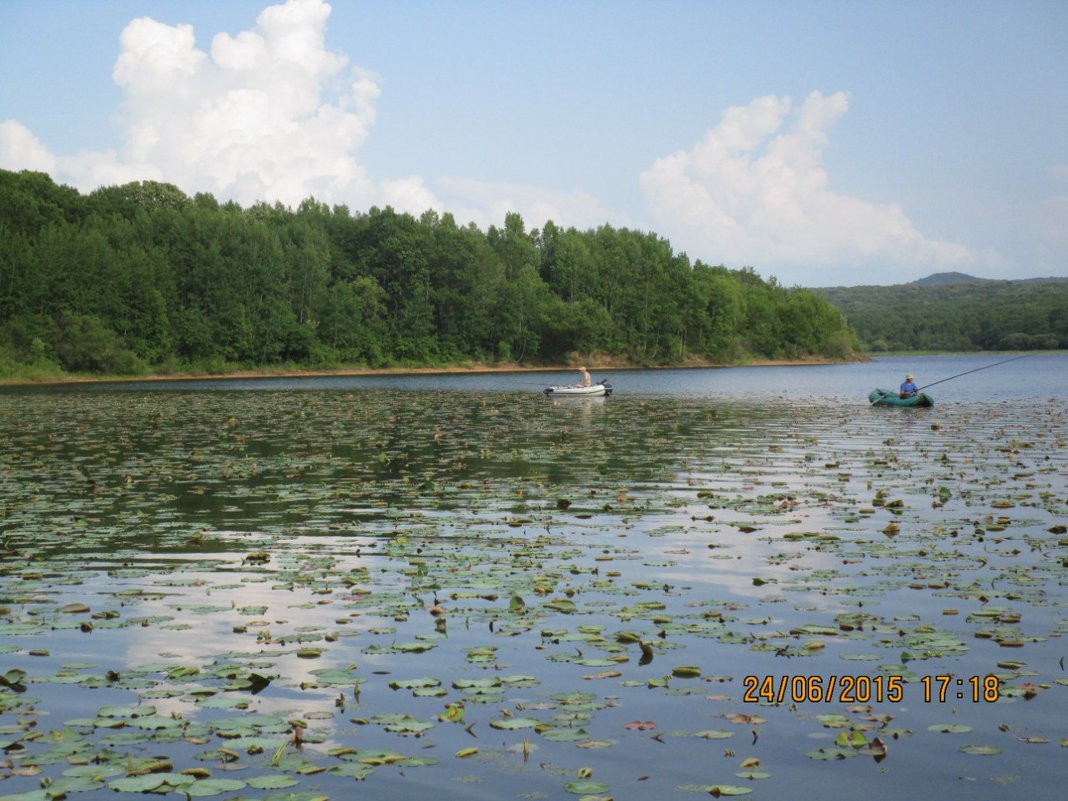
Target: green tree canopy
x,y
965,316
141,276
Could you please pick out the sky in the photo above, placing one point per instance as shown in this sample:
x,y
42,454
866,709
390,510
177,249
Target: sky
x,y
822,143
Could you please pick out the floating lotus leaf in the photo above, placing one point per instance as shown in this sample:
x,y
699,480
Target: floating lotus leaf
x,y
686,671
203,788
154,782
512,724
586,788
980,750
352,771
271,781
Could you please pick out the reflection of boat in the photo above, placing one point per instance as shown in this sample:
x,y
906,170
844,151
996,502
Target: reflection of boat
x,y
572,391
887,397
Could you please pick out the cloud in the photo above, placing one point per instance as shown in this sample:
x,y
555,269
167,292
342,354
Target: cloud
x,y
408,194
753,191
268,114
21,150
487,202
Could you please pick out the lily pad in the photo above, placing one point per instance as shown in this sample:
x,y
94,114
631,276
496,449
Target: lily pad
x,y
512,724
980,750
586,788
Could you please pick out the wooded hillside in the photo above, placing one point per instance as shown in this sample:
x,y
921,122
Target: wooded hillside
x,y
966,316
141,276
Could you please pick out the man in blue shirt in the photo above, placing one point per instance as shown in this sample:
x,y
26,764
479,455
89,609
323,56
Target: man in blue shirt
x,y
909,389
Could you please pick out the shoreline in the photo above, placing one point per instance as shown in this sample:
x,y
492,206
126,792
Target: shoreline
x,y
311,372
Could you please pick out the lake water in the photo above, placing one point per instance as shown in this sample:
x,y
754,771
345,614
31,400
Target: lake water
x,y
1036,375
452,586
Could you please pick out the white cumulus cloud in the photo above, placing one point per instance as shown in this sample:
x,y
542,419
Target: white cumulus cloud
x,y
268,114
21,150
487,203
753,191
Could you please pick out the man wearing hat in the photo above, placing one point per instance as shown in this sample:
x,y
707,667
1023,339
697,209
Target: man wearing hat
x,y
909,389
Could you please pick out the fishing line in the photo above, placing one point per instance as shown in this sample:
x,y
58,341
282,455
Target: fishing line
x,y
976,370
888,393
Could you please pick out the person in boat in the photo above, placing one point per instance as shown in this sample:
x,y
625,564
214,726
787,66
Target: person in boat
x,y
909,388
584,379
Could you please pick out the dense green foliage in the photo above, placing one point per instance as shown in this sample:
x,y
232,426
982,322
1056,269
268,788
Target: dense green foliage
x,y
978,315
141,277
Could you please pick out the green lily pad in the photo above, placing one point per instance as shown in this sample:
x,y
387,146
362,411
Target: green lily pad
x,y
586,787
152,782
512,724
352,770
203,788
980,750
271,781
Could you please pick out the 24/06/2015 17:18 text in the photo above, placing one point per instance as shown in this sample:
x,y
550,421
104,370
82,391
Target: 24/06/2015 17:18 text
x,y
848,689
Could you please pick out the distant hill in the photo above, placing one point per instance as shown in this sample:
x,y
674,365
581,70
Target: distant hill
x,y
949,279
957,312
1041,280
945,279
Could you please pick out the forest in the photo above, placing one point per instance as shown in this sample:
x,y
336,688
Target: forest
x,y
970,315
142,278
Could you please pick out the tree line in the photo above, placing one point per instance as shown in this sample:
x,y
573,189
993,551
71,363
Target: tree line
x,y
140,277
967,316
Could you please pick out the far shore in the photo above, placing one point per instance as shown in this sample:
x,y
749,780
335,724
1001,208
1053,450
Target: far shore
x,y
472,368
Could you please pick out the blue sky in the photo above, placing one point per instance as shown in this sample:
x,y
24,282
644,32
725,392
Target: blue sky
x,y
823,143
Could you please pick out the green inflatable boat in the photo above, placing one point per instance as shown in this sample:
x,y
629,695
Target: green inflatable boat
x,y
887,397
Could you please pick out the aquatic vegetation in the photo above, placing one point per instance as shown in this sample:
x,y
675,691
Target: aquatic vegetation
x,y
275,594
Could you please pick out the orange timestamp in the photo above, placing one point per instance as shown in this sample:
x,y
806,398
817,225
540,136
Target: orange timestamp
x,y
863,689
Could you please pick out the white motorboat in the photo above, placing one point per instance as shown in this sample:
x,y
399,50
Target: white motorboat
x,y
579,391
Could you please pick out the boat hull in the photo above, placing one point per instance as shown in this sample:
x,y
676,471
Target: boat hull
x,y
887,397
594,390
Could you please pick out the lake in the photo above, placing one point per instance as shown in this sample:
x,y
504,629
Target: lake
x,y
1036,375
738,581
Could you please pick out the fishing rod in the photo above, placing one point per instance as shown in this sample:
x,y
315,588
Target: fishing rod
x,y
888,393
976,370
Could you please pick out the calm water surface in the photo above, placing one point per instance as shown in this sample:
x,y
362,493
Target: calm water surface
x,y
1037,375
471,591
